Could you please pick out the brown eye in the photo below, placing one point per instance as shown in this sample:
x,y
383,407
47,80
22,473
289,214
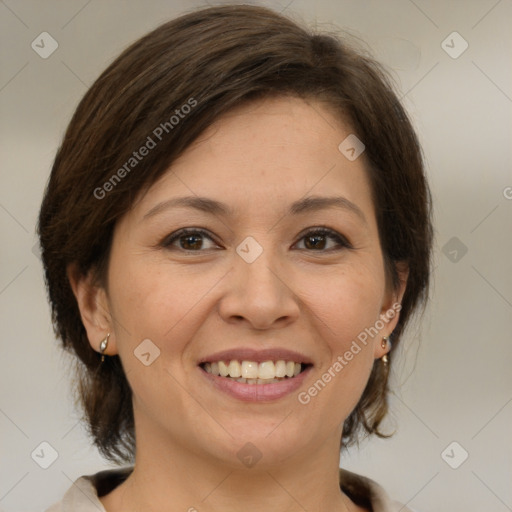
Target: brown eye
x,y
315,241
189,240
324,240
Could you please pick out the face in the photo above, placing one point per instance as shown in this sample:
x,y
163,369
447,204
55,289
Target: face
x,y
255,255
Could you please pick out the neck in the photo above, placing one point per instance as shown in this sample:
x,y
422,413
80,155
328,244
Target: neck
x,y
167,478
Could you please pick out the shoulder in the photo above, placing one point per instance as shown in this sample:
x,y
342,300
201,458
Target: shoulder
x,y
367,492
83,495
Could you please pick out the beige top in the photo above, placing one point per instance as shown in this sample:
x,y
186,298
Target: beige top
x,y
83,494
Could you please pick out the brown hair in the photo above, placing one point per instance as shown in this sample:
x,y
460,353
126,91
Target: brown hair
x,y
213,60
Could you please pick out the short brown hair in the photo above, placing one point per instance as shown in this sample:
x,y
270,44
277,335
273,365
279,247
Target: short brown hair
x,y
215,59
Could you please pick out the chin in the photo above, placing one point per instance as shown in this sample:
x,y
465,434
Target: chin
x,y
260,443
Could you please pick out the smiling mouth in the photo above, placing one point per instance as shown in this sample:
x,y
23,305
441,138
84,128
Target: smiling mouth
x,y
252,372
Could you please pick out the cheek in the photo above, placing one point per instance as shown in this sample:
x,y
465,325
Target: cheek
x,y
153,310
345,302
157,302
346,307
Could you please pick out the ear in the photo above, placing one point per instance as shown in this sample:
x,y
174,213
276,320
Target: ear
x,y
94,308
392,304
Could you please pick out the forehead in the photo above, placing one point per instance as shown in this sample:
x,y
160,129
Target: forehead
x,y
269,151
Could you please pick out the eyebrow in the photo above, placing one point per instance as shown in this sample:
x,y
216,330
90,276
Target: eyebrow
x,y
301,206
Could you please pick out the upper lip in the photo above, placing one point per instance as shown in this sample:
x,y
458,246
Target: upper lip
x,y
258,356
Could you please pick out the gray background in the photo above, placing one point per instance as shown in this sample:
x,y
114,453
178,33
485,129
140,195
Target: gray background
x,y
453,381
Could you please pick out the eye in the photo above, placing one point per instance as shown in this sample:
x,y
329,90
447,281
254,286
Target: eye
x,y
323,239
189,239
319,239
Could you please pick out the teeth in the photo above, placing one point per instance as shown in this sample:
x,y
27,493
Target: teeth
x,y
280,368
234,369
257,381
266,370
251,372
223,369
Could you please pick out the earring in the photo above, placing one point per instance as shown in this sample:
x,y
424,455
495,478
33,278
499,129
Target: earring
x,y
384,344
103,347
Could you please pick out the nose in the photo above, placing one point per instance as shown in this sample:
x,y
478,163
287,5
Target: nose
x,y
259,294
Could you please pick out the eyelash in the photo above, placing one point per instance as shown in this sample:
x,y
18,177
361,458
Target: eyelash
x,y
342,242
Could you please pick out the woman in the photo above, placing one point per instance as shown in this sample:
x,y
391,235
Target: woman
x,y
235,233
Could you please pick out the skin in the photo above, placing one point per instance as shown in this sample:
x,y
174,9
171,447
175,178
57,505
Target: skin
x,y
314,299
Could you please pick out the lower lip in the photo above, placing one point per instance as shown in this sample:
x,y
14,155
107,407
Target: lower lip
x,y
256,392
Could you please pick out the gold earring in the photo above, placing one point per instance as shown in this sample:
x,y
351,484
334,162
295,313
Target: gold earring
x,y
384,344
103,347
